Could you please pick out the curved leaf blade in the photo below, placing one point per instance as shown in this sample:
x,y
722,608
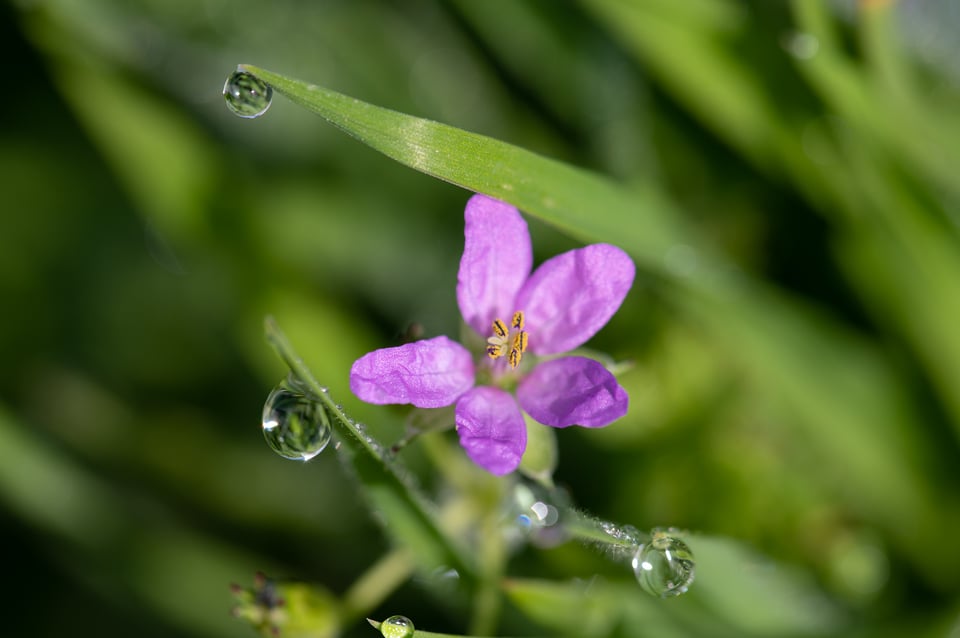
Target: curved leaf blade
x,y
556,192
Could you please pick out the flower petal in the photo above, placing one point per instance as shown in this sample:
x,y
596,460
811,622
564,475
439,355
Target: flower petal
x,y
429,374
571,296
572,391
491,429
496,261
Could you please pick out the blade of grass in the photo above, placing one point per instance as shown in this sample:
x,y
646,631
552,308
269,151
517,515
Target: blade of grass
x,y
422,634
560,194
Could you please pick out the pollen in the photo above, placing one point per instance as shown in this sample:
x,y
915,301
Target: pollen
x,y
512,342
499,329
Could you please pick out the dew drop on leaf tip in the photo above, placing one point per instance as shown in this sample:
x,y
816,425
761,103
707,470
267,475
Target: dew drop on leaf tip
x,y
664,565
295,425
247,95
397,627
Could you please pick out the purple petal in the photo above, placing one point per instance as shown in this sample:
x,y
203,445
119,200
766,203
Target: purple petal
x,y
491,429
571,296
572,391
428,374
496,261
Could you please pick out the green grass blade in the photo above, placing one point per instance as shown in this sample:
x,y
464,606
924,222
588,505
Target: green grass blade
x,y
558,193
422,634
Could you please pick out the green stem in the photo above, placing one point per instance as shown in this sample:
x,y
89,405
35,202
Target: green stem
x,y
406,513
594,531
300,370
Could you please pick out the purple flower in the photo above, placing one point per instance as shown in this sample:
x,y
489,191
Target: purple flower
x,y
555,309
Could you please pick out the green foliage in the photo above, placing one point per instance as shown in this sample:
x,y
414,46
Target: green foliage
x,y
783,174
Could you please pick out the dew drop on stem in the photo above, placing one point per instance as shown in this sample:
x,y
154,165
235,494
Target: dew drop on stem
x,y
247,95
295,425
664,565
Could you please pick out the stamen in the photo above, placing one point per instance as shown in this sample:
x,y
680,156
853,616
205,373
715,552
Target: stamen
x,y
516,337
517,348
520,341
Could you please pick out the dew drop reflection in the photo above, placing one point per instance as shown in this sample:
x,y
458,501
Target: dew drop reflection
x,y
397,627
664,565
247,95
295,425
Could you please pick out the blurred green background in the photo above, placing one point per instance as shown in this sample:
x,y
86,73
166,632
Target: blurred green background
x,y
146,232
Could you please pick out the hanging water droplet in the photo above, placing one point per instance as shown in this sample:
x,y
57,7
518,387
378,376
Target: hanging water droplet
x,y
294,424
397,627
247,95
664,565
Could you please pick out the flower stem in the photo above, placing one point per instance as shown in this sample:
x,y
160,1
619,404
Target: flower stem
x,y
620,541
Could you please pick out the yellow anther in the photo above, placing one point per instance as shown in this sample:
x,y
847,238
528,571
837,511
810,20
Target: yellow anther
x,y
520,341
499,329
517,348
516,337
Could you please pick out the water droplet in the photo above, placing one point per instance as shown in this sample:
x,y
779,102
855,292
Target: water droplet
x,y
664,566
247,95
397,627
295,425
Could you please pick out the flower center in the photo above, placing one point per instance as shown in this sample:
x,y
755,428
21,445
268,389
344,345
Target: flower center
x,y
512,342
